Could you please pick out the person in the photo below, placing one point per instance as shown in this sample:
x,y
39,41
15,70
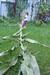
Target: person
x,y
25,20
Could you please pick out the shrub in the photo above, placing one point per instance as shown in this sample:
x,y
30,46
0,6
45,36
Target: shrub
x,y
44,8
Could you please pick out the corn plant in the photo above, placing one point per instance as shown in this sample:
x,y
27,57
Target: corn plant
x,y
26,62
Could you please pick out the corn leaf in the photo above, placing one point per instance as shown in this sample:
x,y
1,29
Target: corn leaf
x,y
35,42
31,41
29,66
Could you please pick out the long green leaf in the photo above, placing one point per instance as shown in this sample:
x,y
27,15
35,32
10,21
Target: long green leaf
x,y
29,66
35,42
31,41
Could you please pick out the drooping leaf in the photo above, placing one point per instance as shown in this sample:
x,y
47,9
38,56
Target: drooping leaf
x,y
31,41
1,73
7,61
29,66
35,42
6,37
3,53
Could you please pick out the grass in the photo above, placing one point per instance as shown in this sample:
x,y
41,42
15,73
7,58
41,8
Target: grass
x,y
40,33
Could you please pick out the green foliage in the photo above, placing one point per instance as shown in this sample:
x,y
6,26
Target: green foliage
x,y
43,8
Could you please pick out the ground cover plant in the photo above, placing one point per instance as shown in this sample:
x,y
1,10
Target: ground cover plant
x,y
39,33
